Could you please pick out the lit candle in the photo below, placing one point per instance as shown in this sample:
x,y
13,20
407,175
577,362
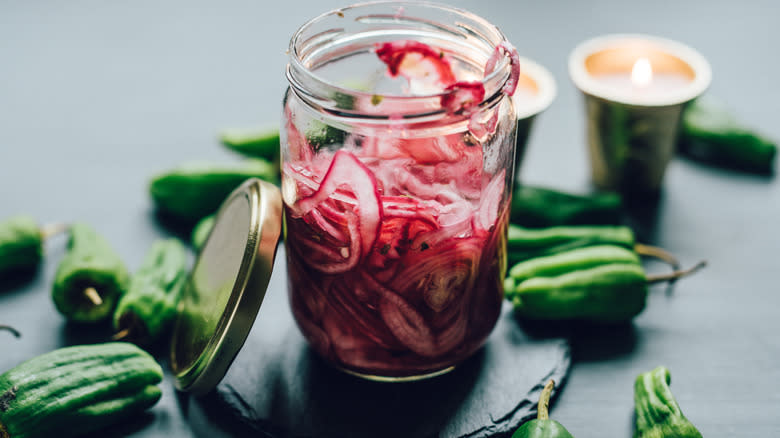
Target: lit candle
x,y
635,87
642,80
642,73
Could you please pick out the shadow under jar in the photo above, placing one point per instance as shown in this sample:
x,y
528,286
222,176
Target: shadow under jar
x,y
397,151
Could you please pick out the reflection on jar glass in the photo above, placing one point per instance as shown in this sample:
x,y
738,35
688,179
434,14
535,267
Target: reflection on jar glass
x,y
397,150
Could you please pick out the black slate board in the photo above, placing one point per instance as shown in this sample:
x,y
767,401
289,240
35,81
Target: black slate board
x,y
279,387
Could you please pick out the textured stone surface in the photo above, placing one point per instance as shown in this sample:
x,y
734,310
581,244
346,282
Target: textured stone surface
x,y
279,386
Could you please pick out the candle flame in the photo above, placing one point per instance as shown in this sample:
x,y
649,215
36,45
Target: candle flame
x,y
642,73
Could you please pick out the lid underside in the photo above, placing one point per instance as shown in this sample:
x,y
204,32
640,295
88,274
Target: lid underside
x,y
226,287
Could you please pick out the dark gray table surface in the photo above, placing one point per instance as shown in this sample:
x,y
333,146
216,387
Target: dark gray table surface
x,y
97,96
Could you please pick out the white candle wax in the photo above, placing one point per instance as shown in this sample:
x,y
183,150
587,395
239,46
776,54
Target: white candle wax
x,y
661,85
524,97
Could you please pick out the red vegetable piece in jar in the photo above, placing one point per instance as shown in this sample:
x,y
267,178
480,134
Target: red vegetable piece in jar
x,y
415,61
346,169
462,97
506,49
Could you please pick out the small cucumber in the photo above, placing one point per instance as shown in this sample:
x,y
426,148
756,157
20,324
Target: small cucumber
x,y
77,390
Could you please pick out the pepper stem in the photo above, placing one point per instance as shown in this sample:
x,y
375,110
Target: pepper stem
x,y
543,410
659,253
93,296
652,279
121,334
13,331
50,230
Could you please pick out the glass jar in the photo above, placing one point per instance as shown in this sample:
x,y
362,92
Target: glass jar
x,y
397,151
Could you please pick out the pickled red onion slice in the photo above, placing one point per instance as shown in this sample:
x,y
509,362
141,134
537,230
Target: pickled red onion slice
x,y
462,97
350,310
506,49
491,200
408,325
316,218
424,63
327,257
347,170
480,129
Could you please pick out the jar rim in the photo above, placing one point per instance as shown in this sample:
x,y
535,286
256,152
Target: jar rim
x,y
319,91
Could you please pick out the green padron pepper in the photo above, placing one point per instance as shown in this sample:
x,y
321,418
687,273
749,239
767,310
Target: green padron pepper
x,y
193,191
90,277
265,142
77,390
609,293
542,426
542,207
319,135
576,259
146,310
21,243
712,134
601,284
527,243
657,413
201,231
253,142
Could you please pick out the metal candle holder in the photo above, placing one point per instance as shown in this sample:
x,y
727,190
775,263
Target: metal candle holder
x,y
632,136
539,83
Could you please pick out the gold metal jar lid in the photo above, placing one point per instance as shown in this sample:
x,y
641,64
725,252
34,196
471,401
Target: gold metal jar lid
x,y
226,287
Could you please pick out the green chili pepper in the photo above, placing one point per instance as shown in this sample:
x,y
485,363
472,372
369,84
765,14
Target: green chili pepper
x,y
541,239
21,243
613,292
526,243
610,291
509,287
712,134
90,278
320,135
77,390
196,190
258,142
542,207
657,413
542,426
576,259
201,231
146,311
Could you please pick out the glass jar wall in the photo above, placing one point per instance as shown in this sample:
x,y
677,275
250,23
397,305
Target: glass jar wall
x,y
397,149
